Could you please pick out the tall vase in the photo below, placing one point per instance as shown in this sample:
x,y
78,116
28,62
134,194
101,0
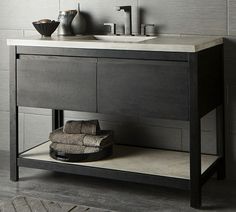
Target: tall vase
x,y
78,24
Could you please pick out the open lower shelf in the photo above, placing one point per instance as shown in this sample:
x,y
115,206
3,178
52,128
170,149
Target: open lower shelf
x,y
134,159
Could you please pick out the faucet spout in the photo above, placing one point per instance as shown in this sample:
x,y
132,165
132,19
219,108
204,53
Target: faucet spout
x,y
128,19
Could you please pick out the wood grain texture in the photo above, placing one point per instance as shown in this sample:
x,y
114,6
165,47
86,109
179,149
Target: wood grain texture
x,y
60,76
142,88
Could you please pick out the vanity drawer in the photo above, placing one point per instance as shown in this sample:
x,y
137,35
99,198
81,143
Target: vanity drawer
x,y
157,89
56,82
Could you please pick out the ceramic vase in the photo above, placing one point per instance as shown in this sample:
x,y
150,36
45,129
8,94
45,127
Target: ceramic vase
x,y
78,24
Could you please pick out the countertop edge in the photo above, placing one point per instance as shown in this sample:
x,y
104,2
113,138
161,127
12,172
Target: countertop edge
x,y
207,45
190,48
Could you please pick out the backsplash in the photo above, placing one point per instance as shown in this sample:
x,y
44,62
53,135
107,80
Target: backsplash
x,y
204,17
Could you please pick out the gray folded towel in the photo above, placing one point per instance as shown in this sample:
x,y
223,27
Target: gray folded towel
x,y
102,140
90,127
74,149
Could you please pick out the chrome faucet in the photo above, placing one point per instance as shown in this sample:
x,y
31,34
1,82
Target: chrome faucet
x,y
128,20
112,28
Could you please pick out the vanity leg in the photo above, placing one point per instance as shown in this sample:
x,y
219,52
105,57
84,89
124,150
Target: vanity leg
x,y
14,137
195,135
195,162
220,135
57,119
14,169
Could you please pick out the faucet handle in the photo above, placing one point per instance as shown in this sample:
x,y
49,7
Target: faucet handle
x,y
144,26
125,8
112,28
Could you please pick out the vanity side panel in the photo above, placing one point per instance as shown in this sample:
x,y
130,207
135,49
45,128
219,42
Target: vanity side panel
x,y
57,82
158,89
210,79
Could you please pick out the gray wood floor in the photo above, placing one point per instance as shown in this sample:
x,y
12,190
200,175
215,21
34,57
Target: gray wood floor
x,y
31,204
108,194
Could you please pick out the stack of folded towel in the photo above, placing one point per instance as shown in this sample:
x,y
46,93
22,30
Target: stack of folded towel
x,y
80,141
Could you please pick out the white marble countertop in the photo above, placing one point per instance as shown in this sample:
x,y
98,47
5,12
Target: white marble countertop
x,y
168,43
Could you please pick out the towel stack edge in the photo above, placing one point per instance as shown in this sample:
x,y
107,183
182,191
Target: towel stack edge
x,y
73,149
102,140
90,127
81,138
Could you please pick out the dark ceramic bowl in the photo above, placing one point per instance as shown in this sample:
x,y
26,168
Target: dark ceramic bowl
x,y
46,29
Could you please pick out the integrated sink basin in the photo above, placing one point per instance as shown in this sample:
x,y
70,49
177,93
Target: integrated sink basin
x,y
111,38
123,39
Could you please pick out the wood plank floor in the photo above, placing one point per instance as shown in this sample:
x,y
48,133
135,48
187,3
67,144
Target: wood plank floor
x,y
108,194
30,204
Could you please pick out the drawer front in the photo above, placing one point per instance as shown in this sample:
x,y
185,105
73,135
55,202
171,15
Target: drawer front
x,y
143,88
57,83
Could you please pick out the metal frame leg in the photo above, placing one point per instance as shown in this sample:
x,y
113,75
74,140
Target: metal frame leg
x,y
195,163
14,139
195,135
220,135
57,119
14,135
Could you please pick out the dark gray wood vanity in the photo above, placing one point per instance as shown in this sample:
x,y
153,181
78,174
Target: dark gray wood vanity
x,y
157,84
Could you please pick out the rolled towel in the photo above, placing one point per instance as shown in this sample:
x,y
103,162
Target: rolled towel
x,y
90,127
73,153
58,136
74,149
102,140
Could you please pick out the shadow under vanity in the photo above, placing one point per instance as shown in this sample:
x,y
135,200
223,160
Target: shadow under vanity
x,y
178,78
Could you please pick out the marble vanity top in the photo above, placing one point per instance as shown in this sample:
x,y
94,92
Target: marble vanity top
x,y
168,43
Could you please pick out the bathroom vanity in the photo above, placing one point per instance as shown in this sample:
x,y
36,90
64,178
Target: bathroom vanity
x,y
167,77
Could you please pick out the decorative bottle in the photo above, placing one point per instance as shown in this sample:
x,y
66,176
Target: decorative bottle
x,y
78,24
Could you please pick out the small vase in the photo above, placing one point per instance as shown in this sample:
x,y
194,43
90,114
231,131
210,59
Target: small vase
x,y
78,24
